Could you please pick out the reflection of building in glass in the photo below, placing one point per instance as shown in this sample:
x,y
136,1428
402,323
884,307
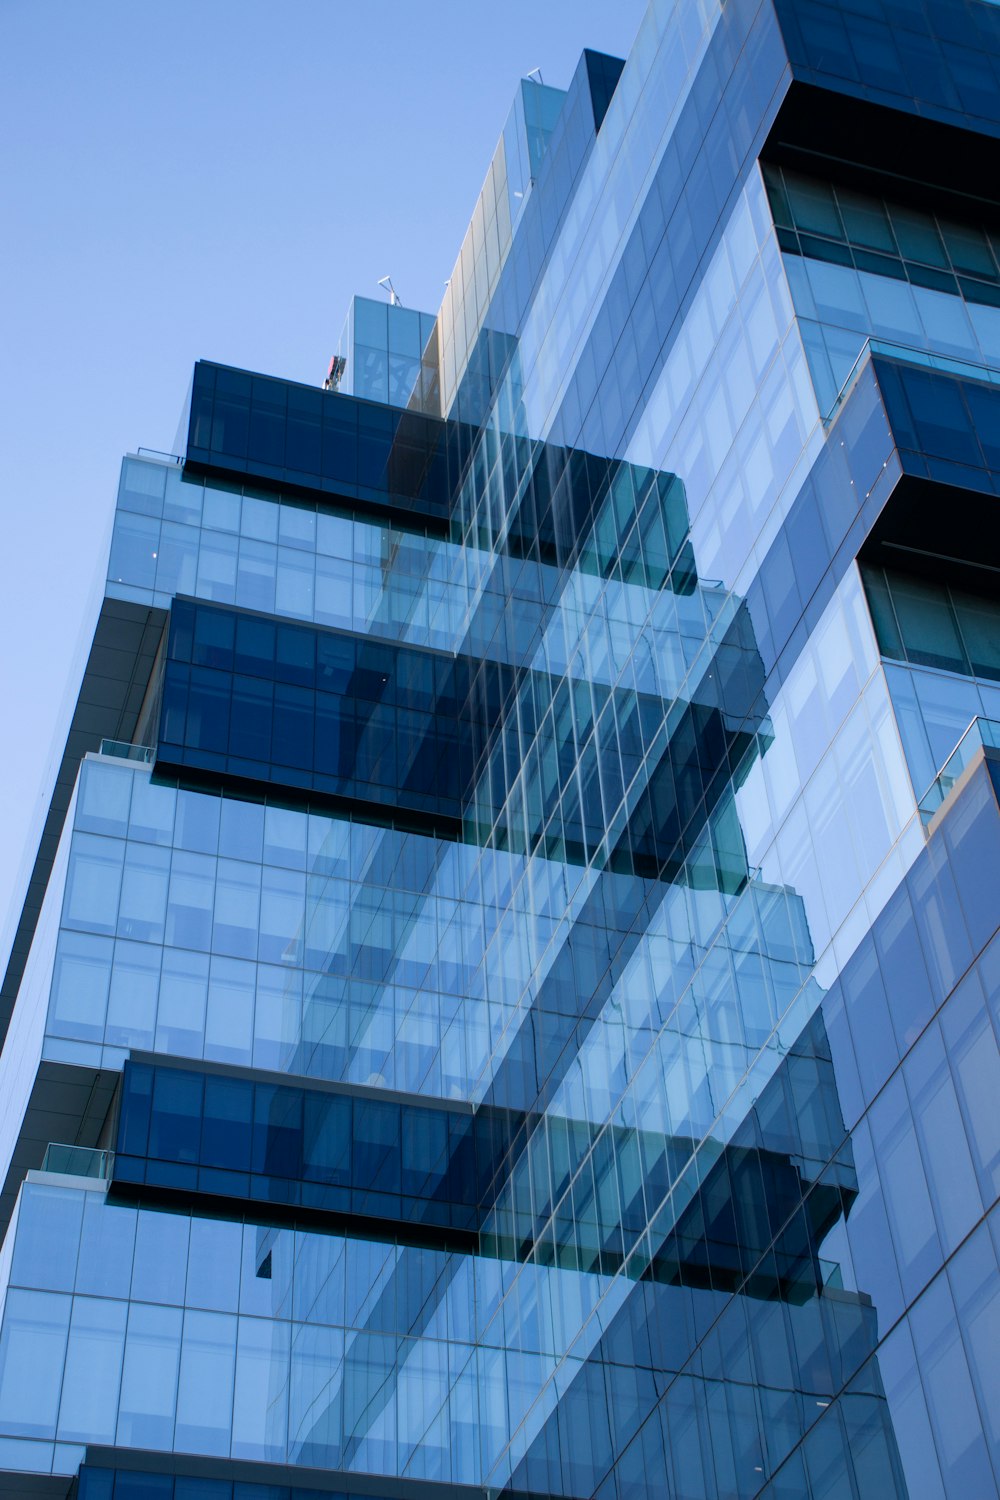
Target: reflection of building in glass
x,y
506,996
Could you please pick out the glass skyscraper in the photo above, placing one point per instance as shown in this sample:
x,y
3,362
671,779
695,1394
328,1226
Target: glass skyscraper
x,y
507,1000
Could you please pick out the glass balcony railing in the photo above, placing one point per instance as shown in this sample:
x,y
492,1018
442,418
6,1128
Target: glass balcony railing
x,y
171,458
77,1161
981,732
125,751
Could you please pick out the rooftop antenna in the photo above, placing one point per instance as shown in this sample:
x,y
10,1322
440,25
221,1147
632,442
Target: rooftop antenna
x,y
386,281
535,75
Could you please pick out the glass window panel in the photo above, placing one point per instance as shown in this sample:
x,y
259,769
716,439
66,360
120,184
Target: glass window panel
x,y
843,348
371,325
297,526
197,822
151,817
237,908
141,488
883,615
143,907
892,309
319,1287
947,706
260,1408
976,1290
149,1372
256,575
177,559
371,373
95,1483
303,434
80,983
265,1283
918,238
135,984
292,728
93,883
327,906
183,498
904,1185
968,249
213,639
205,1392
88,1410
927,624
48,1238
277,1131
103,800
191,902
946,322
422,1382
315,1397
295,655
180,1021
214,1264
136,551
217,567
944,1147
241,828
260,518
161,1257
975,1065
334,536
222,509
328,845
403,376
295,584
255,646
813,205
950,1395
282,916
979,624
229,1017
901,1377
404,332
32,1351
866,221
326,1139
285,834
251,727
225,1131
209,712
376,1147
912,729
278,1019
837,294
107,1244
986,323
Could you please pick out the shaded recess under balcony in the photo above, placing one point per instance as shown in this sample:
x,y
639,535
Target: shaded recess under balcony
x,y
380,726
430,1172
895,100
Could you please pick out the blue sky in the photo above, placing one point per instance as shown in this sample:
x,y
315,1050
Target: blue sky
x,y
188,178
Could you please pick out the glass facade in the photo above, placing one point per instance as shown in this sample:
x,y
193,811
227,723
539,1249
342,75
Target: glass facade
x,y
524,1017
390,355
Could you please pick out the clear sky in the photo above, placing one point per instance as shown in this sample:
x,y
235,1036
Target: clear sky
x,y
209,178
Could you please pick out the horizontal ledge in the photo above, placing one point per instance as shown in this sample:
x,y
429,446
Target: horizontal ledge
x,y
287,1215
